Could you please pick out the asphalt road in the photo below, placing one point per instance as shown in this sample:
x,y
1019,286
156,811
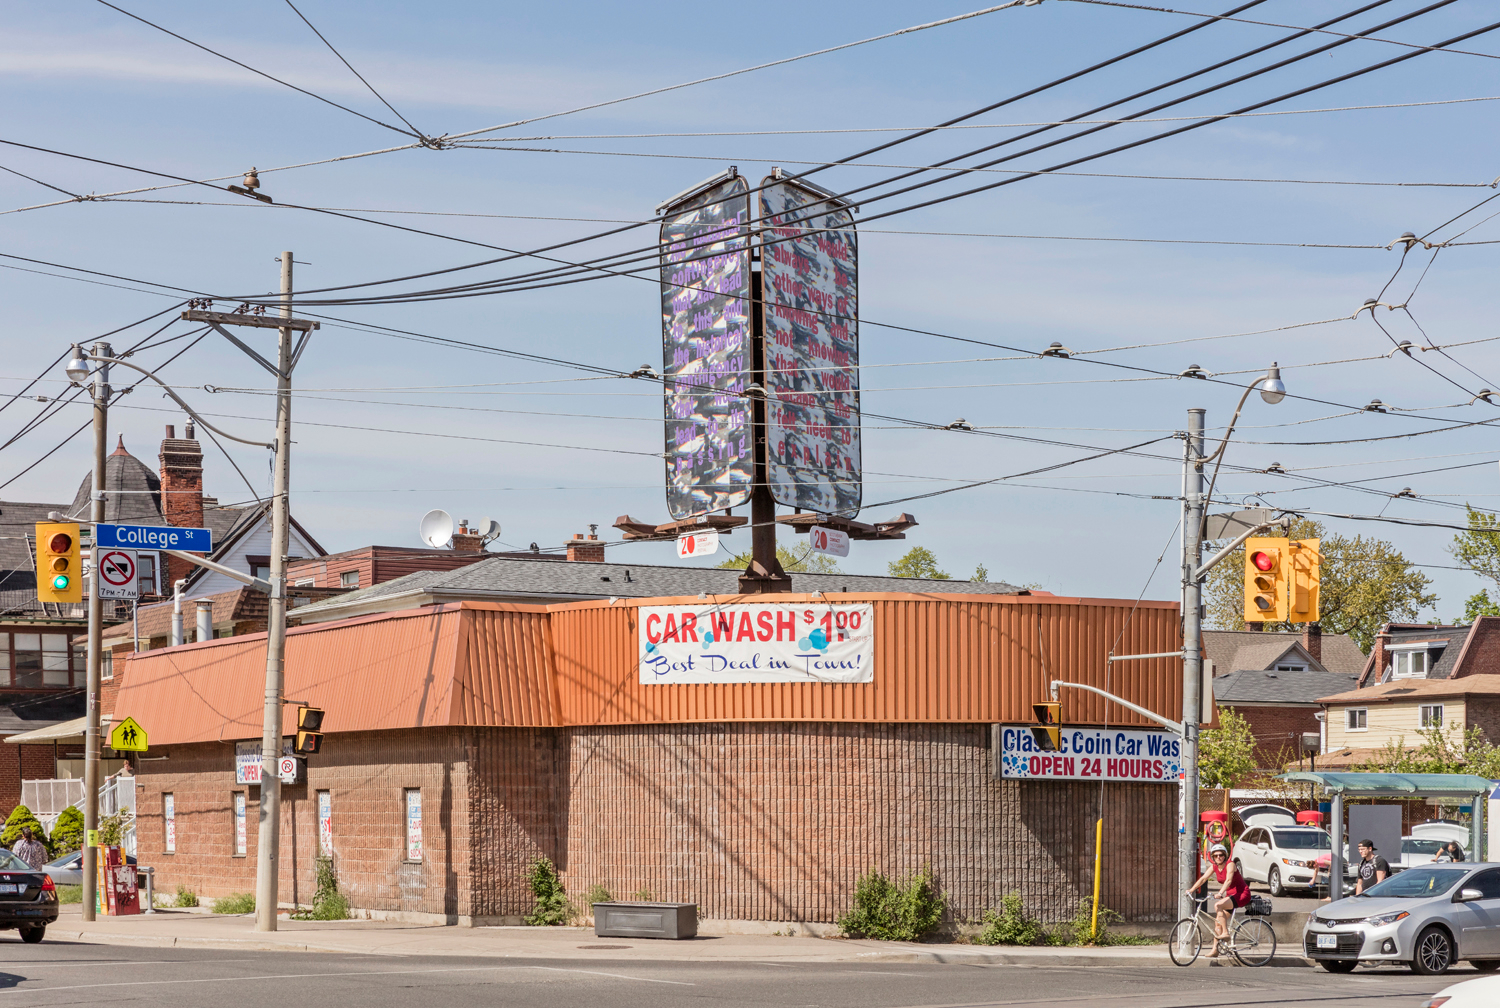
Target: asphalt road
x,y
64,973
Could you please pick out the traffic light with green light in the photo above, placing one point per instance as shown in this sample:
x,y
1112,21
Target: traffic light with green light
x,y
59,571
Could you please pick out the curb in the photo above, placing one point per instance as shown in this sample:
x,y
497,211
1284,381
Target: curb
x,y
1025,959
159,941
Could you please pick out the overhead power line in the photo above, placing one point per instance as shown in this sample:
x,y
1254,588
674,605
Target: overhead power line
x,y
355,72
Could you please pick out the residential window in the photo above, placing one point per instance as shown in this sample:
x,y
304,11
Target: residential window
x,y
145,564
169,816
1432,715
413,824
349,579
239,823
1409,664
1291,668
1356,718
303,583
37,660
106,662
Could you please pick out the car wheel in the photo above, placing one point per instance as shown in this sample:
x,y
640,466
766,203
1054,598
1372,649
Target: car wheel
x,y
1338,965
1434,952
1240,868
1273,880
1485,965
33,935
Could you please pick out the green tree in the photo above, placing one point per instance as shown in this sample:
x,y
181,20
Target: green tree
x,y
1363,582
918,563
1456,750
1478,605
67,831
1226,754
1479,548
20,818
981,573
800,561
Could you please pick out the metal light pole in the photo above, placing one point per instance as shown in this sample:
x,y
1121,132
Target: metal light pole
x,y
268,851
91,734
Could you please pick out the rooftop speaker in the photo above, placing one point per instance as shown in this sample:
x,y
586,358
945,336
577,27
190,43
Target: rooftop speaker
x,y
436,528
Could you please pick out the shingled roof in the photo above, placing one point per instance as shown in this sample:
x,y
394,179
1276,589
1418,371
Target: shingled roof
x,y
549,581
1259,688
1234,650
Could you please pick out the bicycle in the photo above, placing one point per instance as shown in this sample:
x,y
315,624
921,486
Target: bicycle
x,y
1251,941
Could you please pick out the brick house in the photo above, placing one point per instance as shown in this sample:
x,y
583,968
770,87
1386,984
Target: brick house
x,y
466,738
1275,680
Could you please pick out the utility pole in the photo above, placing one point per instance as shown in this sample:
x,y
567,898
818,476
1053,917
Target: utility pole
x,y
268,864
91,733
1192,654
764,574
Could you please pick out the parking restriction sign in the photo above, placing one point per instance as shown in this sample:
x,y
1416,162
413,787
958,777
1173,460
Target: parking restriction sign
x,y
116,573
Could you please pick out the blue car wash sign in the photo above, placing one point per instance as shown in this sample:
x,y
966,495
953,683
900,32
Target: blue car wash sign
x,y
149,537
1112,754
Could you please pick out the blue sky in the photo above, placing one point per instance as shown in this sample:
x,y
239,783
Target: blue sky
x,y
83,78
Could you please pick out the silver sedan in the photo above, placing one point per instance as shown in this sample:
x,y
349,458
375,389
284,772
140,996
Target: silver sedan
x,y
68,869
1429,916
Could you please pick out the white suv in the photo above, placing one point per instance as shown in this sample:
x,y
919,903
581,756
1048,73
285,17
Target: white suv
x,y
1283,857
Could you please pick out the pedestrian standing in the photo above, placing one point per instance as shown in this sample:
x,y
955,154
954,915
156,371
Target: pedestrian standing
x,y
1373,869
30,849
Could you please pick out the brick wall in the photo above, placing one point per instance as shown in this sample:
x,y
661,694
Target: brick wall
x,y
1481,654
1483,712
772,821
1277,731
21,763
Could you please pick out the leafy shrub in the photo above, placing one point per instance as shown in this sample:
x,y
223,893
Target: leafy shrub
x,y
643,896
235,903
893,910
1011,926
20,818
597,894
552,906
328,903
67,831
1081,930
185,897
112,829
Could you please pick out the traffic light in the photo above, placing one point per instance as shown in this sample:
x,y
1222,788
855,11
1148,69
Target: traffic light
x,y
59,572
309,740
1266,569
1303,593
1047,732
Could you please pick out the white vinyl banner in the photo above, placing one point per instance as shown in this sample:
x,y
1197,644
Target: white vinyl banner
x,y
785,642
1113,754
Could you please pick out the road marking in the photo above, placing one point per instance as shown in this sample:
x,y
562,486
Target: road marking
x,y
309,976
116,962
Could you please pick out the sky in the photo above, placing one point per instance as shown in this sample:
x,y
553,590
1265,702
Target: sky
x,y
957,298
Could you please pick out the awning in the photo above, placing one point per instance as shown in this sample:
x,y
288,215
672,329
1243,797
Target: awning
x,y
1396,785
62,731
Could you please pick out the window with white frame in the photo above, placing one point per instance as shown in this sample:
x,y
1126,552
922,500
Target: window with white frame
x,y
349,579
1285,667
1413,664
1432,715
1356,718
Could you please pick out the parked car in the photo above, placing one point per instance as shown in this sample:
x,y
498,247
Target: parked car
x,y
1282,856
68,869
1430,917
28,898
1444,830
1481,993
1417,851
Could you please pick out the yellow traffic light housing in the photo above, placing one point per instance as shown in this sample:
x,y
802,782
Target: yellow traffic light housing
x,y
1303,589
1266,577
309,740
59,569
1047,732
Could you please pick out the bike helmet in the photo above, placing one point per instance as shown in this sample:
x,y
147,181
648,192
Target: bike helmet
x,y
1218,848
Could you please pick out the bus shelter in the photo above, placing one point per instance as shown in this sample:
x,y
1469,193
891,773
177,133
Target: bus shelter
x,y
1395,785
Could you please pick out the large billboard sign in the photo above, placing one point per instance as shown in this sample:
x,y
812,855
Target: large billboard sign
x,y
705,313
810,283
1112,754
766,643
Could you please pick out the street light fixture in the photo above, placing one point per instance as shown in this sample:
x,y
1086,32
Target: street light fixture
x,y
77,366
1272,390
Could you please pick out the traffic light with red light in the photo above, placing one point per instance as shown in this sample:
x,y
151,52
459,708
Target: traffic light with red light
x,y
309,740
1267,563
59,571
1303,590
1047,732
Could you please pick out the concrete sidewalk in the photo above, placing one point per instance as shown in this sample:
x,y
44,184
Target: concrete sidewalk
x,y
178,929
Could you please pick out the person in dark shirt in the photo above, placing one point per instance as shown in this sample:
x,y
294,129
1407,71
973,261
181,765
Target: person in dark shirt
x,y
1450,851
1373,868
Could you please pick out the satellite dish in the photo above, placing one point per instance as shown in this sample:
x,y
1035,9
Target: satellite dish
x,y
436,528
488,530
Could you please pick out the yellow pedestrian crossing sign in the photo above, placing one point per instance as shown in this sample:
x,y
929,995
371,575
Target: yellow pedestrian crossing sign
x,y
127,736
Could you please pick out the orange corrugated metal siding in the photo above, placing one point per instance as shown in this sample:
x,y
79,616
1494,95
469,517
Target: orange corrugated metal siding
x,y
937,658
504,670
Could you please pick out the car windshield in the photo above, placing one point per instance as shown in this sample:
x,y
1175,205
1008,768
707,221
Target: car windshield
x,y
1421,846
1300,840
1417,883
66,861
9,862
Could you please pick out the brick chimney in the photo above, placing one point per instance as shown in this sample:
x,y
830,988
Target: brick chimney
x,y
590,549
1377,655
1312,640
181,490
466,540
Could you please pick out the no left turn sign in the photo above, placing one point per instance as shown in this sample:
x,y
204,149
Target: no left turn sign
x,y
116,573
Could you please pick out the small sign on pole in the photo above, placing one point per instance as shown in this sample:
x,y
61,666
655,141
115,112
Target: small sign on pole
x,y
128,736
116,570
830,541
696,544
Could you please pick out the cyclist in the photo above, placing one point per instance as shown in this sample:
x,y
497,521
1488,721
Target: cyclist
x,y
1234,892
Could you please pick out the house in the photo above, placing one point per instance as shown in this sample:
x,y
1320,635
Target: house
x,y
1275,680
1418,677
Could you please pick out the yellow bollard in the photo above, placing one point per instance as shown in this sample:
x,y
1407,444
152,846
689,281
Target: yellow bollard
x,y
1098,853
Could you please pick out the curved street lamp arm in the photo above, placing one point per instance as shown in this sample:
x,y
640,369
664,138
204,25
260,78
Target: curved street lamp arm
x,y
178,399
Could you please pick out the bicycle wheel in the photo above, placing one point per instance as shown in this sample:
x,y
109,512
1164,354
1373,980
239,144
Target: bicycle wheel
x,y
1254,943
1186,942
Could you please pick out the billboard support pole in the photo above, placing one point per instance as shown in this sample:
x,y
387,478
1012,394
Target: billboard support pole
x,y
764,576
